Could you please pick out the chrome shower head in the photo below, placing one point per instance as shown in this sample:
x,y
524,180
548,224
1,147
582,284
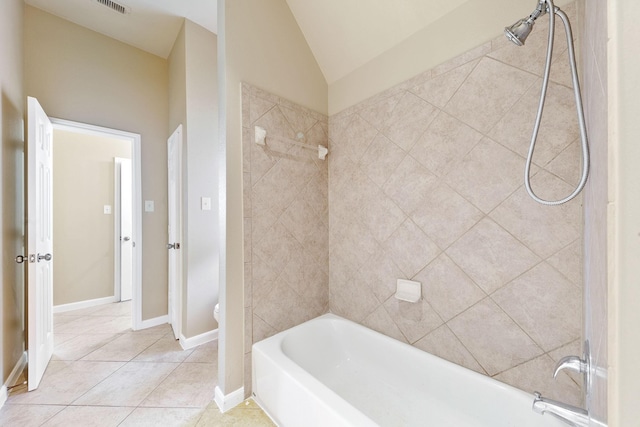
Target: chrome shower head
x,y
519,31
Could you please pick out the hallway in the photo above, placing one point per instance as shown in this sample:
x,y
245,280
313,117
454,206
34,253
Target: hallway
x,y
104,374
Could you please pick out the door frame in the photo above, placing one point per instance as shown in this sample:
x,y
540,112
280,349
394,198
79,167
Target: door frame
x,y
136,171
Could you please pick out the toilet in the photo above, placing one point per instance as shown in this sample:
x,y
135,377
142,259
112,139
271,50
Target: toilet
x,y
216,313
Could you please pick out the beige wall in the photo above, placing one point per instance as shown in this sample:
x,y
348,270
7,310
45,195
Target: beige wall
x,y
474,22
260,44
425,183
201,145
193,103
286,222
80,75
12,102
83,236
622,70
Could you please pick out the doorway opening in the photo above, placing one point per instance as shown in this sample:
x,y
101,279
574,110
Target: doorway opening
x,y
111,205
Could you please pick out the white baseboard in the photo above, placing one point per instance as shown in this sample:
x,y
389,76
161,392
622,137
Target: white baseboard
x,y
13,377
150,323
189,343
229,401
83,304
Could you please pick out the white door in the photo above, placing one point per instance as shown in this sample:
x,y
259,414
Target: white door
x,y
124,228
39,242
174,146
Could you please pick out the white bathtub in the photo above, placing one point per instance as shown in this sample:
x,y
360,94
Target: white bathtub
x,y
331,372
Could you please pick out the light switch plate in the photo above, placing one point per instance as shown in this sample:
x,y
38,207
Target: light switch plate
x,y
107,209
149,206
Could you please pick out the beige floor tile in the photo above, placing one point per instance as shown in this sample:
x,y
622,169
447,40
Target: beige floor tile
x,y
81,345
89,416
129,386
111,324
83,325
124,348
163,329
106,390
116,309
205,353
60,338
27,415
64,382
166,349
190,385
247,414
165,417
62,318
84,311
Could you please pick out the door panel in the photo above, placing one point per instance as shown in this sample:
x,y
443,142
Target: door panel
x,y
39,242
125,234
174,147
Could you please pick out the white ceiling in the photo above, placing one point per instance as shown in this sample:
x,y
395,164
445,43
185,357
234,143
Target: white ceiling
x,y
342,34
152,25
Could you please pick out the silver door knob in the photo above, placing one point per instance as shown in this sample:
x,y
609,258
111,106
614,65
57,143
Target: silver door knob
x,y
46,257
171,246
126,238
20,259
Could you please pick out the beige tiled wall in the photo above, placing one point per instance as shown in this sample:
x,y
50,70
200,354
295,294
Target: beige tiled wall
x,y
426,183
594,54
285,218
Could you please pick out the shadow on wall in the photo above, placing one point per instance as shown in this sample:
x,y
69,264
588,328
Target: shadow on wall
x,y
13,234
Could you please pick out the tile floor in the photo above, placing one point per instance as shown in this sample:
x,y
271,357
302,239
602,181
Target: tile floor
x,y
103,374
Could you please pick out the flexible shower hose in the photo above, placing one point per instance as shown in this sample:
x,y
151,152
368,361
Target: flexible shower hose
x,y
543,94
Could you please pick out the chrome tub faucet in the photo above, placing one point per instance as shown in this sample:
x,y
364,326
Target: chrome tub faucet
x,y
572,415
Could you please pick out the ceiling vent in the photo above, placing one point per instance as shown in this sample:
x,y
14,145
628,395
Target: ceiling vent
x,y
120,8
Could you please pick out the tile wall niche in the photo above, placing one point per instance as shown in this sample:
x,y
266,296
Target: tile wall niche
x,y
285,218
594,56
426,183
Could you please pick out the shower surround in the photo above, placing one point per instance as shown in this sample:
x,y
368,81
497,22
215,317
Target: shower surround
x,y
426,183
286,221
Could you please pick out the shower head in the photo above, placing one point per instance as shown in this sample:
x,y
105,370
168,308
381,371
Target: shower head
x,y
519,31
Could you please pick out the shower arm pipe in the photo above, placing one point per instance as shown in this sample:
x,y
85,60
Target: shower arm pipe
x,y
580,111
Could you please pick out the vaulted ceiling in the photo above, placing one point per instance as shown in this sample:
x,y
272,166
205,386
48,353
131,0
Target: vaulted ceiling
x,y
346,34
342,34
